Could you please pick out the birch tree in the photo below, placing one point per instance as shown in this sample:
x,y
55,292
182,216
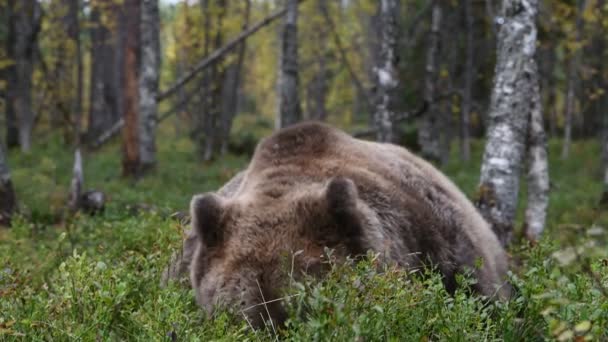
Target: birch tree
x,y
385,73
538,169
428,132
511,106
7,194
148,82
289,110
573,65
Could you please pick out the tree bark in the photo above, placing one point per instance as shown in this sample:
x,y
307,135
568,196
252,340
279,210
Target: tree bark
x,y
74,34
232,106
469,75
131,163
385,73
77,183
26,21
538,167
217,78
10,76
148,82
8,202
428,130
508,117
573,66
289,110
104,78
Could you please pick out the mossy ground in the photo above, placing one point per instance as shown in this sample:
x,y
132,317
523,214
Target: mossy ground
x,y
97,278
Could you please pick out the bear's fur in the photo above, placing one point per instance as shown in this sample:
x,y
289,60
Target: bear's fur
x,y
311,186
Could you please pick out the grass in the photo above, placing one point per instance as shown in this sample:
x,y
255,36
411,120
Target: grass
x,y
97,278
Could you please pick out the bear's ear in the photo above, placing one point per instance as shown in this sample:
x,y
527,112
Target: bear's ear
x,y
341,196
206,212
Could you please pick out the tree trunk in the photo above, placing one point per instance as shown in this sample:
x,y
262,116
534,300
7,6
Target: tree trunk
x,y
237,78
8,202
131,159
148,82
74,34
104,78
385,73
538,168
508,117
10,76
26,17
604,143
289,110
573,66
214,93
428,130
469,75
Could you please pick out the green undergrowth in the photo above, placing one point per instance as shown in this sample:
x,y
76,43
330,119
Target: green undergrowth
x,y
97,278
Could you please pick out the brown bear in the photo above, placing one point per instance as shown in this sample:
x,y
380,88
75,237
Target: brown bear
x,y
311,186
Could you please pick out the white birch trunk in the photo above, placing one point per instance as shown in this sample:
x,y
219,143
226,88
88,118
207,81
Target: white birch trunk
x,y
538,169
510,109
148,82
385,73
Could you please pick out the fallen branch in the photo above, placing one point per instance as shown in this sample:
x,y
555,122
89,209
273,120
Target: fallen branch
x,y
107,135
181,81
338,41
398,118
217,54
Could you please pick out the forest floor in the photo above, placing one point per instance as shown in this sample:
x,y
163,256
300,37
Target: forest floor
x,y
97,278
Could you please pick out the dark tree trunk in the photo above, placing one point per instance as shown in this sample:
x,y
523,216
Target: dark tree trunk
x,y
104,82
24,22
131,164
235,75
10,76
289,110
148,82
469,75
8,202
214,93
515,80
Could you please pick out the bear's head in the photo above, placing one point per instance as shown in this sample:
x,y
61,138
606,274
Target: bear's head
x,y
251,245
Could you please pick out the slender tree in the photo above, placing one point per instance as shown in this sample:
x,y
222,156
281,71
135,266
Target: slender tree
x,y
573,66
385,73
289,110
232,90
25,25
105,69
428,132
469,75
216,77
510,109
538,165
148,82
8,201
10,76
131,163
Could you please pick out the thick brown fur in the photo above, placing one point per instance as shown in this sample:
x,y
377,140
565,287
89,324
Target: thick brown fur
x,y
311,186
